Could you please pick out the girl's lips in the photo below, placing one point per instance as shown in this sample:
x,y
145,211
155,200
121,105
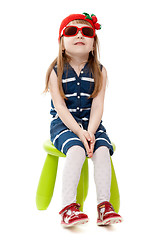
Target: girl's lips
x,y
79,43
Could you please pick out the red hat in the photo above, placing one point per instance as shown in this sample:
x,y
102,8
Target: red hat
x,y
85,16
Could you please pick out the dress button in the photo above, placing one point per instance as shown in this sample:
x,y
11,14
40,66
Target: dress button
x,y
81,71
78,83
77,108
78,97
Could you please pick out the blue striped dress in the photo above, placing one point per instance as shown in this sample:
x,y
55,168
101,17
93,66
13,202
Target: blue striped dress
x,y
77,89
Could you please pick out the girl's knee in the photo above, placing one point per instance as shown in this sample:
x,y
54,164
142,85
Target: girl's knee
x,y
102,149
76,148
101,152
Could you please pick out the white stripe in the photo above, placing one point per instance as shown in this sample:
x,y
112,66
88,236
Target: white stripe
x,y
101,131
75,109
57,136
87,79
75,95
85,94
82,109
72,110
104,140
70,139
71,95
85,119
55,117
68,80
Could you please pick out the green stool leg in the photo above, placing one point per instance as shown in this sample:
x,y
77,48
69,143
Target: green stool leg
x,y
114,198
82,189
47,182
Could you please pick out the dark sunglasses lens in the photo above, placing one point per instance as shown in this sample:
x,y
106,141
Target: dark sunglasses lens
x,y
89,32
69,31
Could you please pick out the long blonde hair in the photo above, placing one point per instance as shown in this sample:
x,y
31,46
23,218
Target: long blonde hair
x,y
63,58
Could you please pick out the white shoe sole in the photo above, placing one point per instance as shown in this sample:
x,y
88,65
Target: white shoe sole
x,y
110,221
83,221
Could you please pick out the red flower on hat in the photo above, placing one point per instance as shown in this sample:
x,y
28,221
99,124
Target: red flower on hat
x,y
97,26
94,19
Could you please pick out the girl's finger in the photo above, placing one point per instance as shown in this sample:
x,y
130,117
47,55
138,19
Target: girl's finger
x,y
92,137
92,147
88,137
86,146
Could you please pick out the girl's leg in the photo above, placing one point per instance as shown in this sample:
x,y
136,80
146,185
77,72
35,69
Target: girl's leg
x,y
75,158
102,173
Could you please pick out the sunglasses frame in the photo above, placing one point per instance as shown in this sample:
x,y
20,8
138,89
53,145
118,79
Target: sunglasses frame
x,y
78,29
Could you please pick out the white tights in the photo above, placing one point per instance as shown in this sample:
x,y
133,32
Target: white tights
x,y
71,174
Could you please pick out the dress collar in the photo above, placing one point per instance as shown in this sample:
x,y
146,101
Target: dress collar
x,y
67,67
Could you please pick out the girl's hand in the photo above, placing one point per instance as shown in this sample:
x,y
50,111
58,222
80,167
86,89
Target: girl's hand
x,y
84,137
88,140
91,143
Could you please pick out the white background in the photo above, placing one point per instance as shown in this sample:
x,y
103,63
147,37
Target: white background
x,y
130,51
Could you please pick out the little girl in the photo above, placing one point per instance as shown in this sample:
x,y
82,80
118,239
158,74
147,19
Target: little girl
x,y
77,82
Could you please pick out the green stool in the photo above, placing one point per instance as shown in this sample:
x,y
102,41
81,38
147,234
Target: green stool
x,y
48,177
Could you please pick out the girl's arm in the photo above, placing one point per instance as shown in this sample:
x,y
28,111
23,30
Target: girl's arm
x,y
97,106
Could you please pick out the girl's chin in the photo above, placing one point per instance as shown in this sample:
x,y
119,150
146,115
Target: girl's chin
x,y
78,53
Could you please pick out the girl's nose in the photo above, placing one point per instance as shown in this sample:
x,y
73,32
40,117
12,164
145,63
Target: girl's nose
x,y
79,34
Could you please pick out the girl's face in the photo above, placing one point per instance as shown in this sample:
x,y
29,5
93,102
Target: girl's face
x,y
78,45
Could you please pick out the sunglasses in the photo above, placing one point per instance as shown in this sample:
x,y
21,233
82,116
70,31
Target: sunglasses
x,y
71,31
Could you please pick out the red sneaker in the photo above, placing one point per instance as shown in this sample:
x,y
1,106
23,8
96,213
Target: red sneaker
x,y
71,215
107,215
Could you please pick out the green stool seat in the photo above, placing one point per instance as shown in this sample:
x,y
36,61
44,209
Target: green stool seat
x,y
48,177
